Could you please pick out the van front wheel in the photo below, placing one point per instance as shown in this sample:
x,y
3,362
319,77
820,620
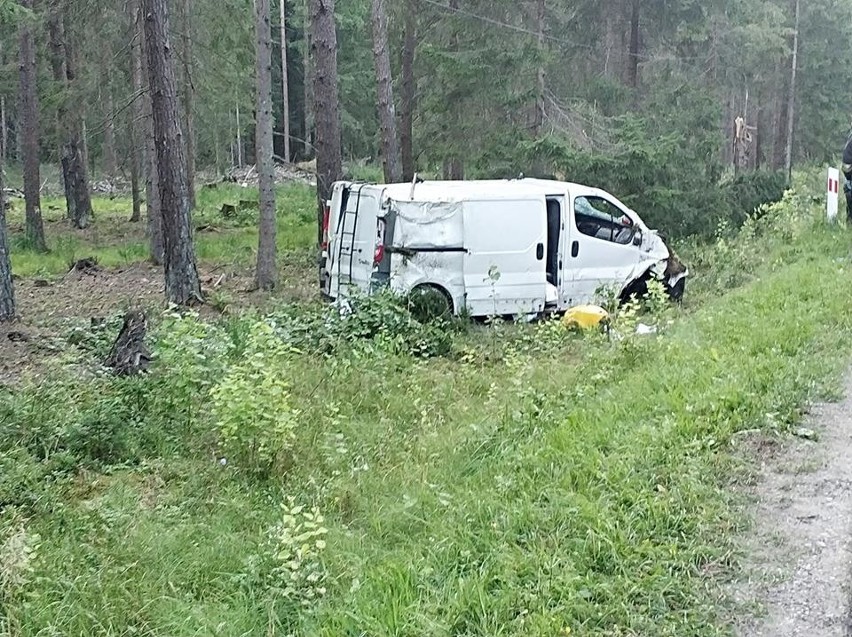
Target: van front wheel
x,y
429,303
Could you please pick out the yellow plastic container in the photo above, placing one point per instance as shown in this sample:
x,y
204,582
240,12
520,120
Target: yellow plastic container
x,y
584,317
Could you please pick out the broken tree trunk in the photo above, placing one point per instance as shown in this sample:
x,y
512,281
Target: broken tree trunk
x,y
129,354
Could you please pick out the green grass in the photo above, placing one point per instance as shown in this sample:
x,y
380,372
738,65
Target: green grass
x,y
531,483
116,242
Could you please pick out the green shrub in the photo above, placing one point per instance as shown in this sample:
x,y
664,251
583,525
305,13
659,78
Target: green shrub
x,y
251,406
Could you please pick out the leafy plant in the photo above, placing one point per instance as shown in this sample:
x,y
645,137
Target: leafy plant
x,y
251,407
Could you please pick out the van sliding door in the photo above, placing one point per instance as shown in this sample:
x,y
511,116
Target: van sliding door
x,y
505,260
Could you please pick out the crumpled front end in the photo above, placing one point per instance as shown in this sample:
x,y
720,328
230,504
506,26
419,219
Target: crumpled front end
x,y
662,263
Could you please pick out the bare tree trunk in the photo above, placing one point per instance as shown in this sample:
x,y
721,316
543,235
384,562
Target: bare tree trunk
x,y
189,99
782,93
285,81
409,91
326,103
384,83
29,126
182,284
7,289
541,76
635,42
266,274
4,131
152,180
612,67
453,164
74,170
136,116
791,98
239,139
135,180
110,155
57,62
308,85
77,155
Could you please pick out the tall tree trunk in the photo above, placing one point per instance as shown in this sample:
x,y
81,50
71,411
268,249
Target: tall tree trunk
x,y
136,116
308,85
189,99
110,155
60,76
7,289
612,67
409,91
635,43
285,81
782,94
541,76
74,170
239,139
326,103
384,83
266,274
29,126
154,212
453,164
77,153
182,284
791,98
4,131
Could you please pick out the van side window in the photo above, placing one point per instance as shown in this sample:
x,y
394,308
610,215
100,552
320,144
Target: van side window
x,y
596,217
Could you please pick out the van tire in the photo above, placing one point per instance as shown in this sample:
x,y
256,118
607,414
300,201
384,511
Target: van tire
x,y
430,303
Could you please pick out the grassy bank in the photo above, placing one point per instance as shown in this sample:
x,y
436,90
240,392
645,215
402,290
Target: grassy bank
x,y
298,474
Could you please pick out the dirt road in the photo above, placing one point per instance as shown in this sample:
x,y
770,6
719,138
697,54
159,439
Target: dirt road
x,y
799,580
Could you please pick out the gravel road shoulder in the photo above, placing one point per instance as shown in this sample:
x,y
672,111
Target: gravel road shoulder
x,y
798,576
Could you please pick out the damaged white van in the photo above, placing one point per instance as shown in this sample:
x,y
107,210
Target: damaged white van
x,y
491,248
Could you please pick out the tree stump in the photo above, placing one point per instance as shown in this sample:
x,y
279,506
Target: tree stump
x,y
129,354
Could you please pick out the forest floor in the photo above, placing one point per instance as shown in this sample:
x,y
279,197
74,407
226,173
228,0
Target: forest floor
x,y
498,480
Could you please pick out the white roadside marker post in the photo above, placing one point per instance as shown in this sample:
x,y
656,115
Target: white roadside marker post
x,y
833,194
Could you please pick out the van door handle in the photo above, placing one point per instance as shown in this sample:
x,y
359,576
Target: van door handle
x,y
539,252
575,249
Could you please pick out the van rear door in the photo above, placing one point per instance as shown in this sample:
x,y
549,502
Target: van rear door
x,y
504,264
352,249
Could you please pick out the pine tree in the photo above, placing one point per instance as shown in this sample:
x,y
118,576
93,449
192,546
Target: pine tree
x,y
182,283
266,274
384,83
326,102
7,289
28,115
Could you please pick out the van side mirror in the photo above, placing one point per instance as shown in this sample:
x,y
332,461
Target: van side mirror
x,y
637,238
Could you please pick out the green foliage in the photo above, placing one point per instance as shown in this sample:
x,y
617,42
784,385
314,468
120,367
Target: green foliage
x,y
381,322
666,181
251,406
297,545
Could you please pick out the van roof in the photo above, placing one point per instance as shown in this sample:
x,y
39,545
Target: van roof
x,y
450,191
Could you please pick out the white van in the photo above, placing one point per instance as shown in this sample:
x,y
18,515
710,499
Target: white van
x,y
516,247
